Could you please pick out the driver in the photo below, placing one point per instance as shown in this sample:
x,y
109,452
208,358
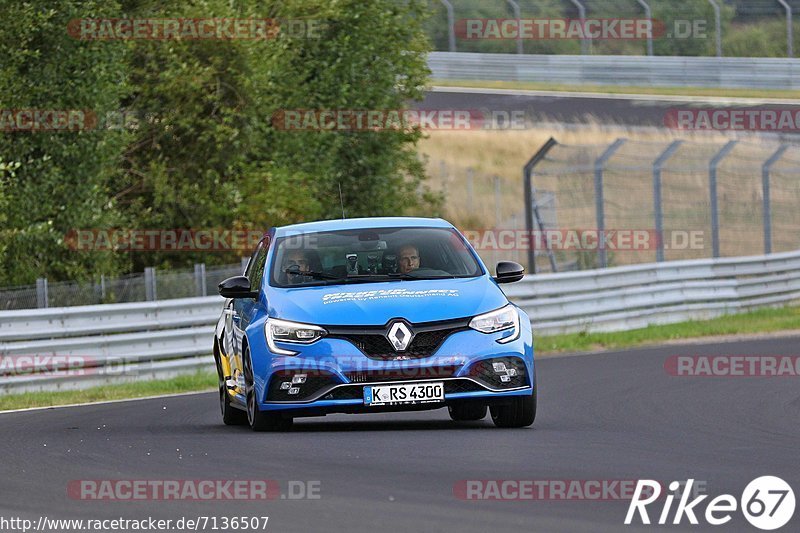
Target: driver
x,y
408,259
296,258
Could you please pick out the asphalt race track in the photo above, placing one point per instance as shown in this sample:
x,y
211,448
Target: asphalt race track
x,y
614,416
577,109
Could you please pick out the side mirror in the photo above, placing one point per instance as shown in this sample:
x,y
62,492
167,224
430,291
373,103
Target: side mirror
x,y
509,272
236,287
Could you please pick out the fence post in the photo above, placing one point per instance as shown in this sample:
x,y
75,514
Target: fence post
x,y
599,200
531,208
451,25
765,185
150,284
649,16
658,208
582,16
200,279
712,185
718,26
789,28
518,16
42,299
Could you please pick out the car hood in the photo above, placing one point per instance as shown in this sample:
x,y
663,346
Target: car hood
x,y
374,304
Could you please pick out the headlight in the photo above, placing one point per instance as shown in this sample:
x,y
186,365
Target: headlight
x,y
505,318
294,332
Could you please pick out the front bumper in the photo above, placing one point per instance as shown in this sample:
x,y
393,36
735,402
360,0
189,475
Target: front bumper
x,y
329,375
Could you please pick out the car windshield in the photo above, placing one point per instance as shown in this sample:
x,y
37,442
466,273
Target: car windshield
x,y
371,255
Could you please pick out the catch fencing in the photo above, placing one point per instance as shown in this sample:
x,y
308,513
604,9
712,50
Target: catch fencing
x,y
77,347
697,199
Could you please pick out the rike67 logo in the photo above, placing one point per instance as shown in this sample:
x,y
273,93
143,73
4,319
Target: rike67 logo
x,y
767,503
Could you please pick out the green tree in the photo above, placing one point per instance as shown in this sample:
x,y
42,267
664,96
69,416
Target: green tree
x,y
61,183
369,54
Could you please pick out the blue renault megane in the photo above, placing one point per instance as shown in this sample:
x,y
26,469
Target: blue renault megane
x,y
372,315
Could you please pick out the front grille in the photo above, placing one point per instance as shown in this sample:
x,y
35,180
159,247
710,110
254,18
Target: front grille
x,y
372,342
314,381
403,374
512,375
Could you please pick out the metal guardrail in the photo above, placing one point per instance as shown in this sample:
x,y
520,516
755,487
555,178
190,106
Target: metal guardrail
x,y
630,297
84,346
635,71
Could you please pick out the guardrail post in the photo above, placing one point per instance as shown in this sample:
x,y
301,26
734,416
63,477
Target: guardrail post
x,y
657,206
42,299
765,185
600,210
582,14
102,288
717,26
150,284
789,28
649,15
200,279
532,208
712,185
518,16
451,25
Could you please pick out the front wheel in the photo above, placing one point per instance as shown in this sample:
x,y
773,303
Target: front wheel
x,y
520,413
259,420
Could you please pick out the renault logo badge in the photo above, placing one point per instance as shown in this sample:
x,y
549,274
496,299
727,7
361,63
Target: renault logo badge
x,y
400,336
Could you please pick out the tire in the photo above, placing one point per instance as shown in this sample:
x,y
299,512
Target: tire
x,y
467,412
520,413
258,420
231,416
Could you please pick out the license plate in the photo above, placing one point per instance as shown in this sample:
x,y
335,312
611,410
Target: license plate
x,y
404,393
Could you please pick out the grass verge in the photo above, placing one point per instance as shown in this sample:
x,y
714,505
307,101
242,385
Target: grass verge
x,y
201,381
760,321
621,89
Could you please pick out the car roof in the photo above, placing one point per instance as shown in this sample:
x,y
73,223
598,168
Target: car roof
x,y
361,223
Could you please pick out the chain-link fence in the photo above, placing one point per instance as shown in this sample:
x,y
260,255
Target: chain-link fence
x,y
148,286
634,202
